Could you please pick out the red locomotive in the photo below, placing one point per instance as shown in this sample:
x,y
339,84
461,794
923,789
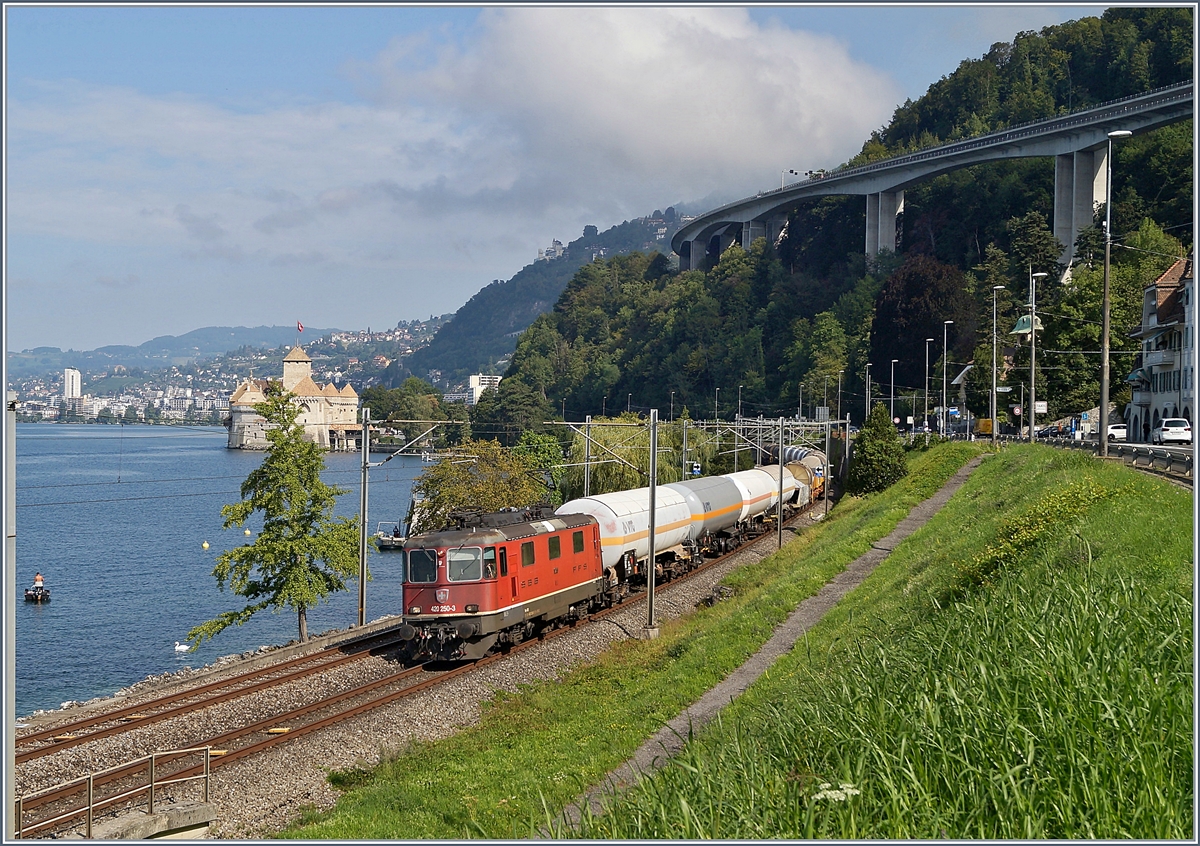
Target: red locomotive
x,y
496,579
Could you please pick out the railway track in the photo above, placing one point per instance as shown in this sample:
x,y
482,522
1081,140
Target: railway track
x,y
48,741
261,735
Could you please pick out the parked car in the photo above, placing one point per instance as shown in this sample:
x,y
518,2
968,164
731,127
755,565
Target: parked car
x,y
1173,430
1117,432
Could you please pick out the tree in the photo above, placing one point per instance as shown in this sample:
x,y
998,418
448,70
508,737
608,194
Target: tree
x,y
131,414
303,553
479,474
878,459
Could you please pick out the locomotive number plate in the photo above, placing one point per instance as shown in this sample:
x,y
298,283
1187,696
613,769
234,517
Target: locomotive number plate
x,y
434,609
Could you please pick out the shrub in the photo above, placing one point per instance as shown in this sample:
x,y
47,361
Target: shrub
x,y
878,458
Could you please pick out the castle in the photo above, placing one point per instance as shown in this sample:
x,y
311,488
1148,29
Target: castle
x,y
329,416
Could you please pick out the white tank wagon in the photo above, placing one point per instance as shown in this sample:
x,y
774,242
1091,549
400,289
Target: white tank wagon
x,y
715,503
624,518
760,491
806,465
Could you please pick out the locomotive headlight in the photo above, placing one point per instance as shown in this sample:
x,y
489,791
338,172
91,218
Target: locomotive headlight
x,y
416,609
472,609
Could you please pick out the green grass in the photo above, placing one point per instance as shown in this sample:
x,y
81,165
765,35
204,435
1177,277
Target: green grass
x,y
1020,668
806,722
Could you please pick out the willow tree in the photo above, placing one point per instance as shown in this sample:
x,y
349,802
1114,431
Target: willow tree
x,y
303,553
478,474
619,458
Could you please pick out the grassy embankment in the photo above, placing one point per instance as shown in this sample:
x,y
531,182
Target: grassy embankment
x,y
1021,667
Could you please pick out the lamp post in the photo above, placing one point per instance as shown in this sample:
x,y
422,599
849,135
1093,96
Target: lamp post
x,y
672,420
840,372
892,391
995,288
716,397
945,358
628,402
1033,278
1120,133
867,400
925,419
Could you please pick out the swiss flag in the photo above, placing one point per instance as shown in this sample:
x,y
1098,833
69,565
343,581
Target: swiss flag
x,y
299,326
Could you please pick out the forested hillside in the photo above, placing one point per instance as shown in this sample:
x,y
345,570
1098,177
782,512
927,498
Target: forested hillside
x,y
483,333
783,321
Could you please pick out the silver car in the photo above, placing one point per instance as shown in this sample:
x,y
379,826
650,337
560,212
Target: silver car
x,y
1173,430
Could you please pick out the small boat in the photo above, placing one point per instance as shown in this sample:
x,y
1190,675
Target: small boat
x,y
37,594
389,537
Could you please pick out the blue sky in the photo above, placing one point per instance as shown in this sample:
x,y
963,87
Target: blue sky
x,y
172,167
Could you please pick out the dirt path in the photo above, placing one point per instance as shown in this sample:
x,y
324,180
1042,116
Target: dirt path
x,y
656,751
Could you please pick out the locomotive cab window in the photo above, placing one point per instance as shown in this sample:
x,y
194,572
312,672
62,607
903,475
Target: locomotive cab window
x,y
489,563
464,565
422,565
577,541
527,554
503,561
555,547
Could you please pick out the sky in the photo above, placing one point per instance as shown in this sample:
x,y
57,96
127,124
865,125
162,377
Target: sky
x,y
170,167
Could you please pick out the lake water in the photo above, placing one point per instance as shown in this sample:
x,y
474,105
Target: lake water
x,y
115,517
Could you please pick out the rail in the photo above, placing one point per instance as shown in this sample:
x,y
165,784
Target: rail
x,y
86,784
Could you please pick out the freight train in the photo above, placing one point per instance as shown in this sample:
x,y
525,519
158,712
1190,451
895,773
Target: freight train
x,y
490,581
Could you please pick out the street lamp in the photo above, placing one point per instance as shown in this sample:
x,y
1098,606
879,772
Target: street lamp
x,y
945,357
1033,278
925,419
672,406
995,288
628,402
716,397
840,372
1119,133
892,391
867,400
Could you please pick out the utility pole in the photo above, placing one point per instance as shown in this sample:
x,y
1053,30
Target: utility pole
x,y
362,511
587,455
651,629
780,520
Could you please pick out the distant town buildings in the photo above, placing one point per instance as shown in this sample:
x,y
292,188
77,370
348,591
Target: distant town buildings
x,y
1163,380
72,383
555,250
479,383
328,416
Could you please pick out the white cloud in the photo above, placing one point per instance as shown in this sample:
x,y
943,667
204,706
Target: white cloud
x,y
460,164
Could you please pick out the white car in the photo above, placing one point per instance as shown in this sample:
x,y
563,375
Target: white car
x,y
1117,432
1172,430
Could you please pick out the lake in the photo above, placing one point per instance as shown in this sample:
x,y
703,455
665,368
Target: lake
x,y
115,518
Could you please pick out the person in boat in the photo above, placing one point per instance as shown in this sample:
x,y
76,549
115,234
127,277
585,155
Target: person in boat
x,y
38,581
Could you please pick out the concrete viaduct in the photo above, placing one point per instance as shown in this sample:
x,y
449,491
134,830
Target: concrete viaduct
x,y
1078,142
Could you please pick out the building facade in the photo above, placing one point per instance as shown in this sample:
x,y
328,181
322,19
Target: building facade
x,y
72,383
479,383
1163,379
329,416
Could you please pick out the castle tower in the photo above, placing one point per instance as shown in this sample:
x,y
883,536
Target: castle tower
x,y
297,367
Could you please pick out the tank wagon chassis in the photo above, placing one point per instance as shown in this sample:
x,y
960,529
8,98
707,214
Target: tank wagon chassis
x,y
490,581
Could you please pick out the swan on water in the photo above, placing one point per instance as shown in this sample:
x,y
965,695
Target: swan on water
x,y
181,647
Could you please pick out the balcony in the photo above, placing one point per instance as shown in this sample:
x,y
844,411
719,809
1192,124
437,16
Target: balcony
x,y
1142,398
1160,358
